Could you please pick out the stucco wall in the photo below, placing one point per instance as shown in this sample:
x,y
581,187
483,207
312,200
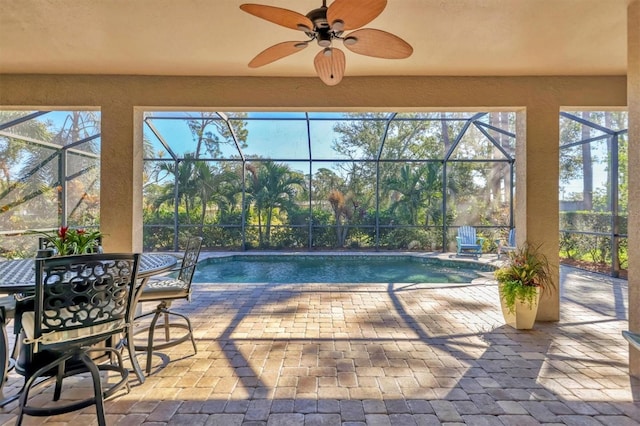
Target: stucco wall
x,y
633,58
354,93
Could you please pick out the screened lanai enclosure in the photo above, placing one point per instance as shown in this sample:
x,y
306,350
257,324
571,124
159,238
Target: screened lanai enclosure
x,y
315,180
299,180
49,175
593,190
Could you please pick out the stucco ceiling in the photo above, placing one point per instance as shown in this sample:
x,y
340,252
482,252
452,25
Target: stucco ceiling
x,y
216,38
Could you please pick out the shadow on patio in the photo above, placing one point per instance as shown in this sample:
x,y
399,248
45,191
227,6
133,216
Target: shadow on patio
x,y
386,354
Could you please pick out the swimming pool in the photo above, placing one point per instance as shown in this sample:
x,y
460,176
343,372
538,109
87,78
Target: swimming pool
x,y
284,268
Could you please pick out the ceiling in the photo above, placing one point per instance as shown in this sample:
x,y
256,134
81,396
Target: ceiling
x,y
216,38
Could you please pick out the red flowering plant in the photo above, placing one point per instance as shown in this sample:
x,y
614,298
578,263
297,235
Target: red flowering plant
x,y
67,241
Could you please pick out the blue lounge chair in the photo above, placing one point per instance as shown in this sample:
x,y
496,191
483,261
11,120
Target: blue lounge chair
x,y
632,338
510,245
468,242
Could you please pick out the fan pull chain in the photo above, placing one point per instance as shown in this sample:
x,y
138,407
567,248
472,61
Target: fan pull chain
x,y
331,50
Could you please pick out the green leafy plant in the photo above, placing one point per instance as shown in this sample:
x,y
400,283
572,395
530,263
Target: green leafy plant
x,y
525,272
67,241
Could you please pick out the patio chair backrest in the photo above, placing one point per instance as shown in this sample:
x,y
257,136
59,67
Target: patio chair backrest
x,y
512,238
89,294
190,259
467,235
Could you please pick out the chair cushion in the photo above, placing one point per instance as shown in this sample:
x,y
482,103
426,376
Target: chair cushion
x,y
165,288
28,325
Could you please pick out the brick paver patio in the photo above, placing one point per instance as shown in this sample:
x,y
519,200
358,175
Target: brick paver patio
x,y
318,354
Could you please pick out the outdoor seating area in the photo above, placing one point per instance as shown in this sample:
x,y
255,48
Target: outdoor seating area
x,y
72,315
225,213
382,354
78,303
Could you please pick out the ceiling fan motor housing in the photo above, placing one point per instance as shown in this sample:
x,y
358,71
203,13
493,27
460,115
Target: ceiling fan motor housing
x,y
322,30
319,18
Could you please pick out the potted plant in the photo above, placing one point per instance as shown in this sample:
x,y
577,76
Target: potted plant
x,y
65,241
521,281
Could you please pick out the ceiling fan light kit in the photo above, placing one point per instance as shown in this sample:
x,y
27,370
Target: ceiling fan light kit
x,y
350,41
325,25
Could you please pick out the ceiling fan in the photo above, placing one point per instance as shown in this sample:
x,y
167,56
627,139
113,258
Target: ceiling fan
x,y
325,25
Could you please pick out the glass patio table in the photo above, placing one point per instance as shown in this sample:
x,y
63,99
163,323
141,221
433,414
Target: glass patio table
x,y
18,276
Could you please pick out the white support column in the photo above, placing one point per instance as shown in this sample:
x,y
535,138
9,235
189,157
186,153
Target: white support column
x,y
121,178
633,102
536,204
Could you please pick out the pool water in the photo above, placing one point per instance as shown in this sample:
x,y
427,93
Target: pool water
x,y
332,269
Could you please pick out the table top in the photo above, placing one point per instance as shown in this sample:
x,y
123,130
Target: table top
x,y
19,275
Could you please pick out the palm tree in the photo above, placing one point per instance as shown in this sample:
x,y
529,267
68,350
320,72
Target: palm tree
x,y
408,185
21,177
418,187
342,213
221,188
272,186
183,182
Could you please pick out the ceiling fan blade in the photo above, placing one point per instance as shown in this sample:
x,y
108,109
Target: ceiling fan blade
x,y
330,64
277,51
354,13
377,43
277,15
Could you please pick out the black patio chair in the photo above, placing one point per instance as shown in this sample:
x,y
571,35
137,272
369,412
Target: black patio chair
x,y
165,289
81,306
7,312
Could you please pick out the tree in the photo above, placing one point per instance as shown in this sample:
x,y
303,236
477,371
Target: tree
x,y
342,212
324,181
410,185
587,166
421,191
20,183
208,184
33,157
570,157
210,132
228,190
499,175
182,184
272,186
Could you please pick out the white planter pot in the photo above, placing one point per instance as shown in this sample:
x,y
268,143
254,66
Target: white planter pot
x,y
524,315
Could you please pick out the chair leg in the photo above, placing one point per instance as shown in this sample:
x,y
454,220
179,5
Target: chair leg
x,y
132,356
97,388
88,366
59,377
167,329
193,341
150,339
28,384
162,310
113,354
